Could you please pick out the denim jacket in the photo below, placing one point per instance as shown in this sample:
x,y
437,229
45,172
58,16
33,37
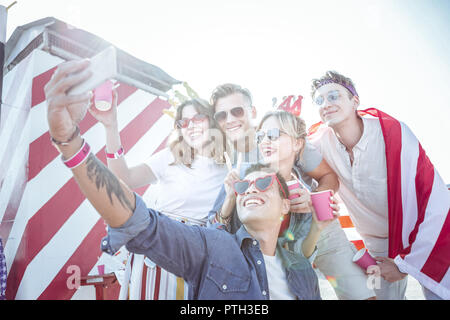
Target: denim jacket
x,y
215,264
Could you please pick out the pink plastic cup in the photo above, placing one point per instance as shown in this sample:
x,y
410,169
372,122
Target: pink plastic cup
x,y
293,184
363,259
321,203
103,96
101,269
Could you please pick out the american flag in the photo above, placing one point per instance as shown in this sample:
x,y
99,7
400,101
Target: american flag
x,y
418,204
47,225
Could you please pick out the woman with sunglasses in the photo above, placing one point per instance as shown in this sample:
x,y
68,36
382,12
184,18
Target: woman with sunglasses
x,y
188,175
281,139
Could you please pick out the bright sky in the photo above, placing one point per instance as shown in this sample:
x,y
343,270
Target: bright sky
x,y
396,51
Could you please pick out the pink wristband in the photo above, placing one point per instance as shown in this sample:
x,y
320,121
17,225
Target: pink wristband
x,y
294,186
293,196
79,157
115,155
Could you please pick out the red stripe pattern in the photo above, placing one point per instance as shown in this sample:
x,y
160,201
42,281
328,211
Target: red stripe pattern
x,y
43,224
393,140
439,259
144,280
424,183
52,211
157,283
432,208
38,86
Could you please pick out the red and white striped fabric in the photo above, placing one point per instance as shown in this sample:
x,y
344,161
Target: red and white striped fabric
x,y
348,227
419,206
47,225
147,281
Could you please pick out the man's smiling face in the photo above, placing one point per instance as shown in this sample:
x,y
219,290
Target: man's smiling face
x,y
235,125
334,104
261,207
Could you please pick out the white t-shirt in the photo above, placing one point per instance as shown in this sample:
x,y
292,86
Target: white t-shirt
x,y
183,191
363,185
277,280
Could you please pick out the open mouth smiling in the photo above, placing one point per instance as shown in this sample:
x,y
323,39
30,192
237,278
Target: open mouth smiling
x,y
233,127
267,152
195,134
253,201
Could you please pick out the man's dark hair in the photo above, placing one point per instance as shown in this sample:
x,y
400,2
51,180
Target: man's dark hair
x,y
266,168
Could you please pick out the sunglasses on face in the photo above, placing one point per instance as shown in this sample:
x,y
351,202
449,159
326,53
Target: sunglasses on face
x,y
332,97
272,135
237,112
262,184
184,122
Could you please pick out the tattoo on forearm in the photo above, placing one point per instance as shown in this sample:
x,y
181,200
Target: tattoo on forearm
x,y
102,177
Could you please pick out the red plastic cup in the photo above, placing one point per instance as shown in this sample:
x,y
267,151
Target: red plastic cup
x,y
321,203
103,96
363,259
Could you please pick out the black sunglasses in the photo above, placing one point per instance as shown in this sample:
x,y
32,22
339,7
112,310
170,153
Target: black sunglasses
x,y
272,135
237,112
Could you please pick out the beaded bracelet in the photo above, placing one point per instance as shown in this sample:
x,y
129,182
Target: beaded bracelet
x,y
64,143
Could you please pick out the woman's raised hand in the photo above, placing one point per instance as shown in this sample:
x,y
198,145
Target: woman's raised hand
x,y
233,174
109,117
300,199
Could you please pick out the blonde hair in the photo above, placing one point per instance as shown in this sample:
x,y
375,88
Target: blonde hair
x,y
184,153
294,126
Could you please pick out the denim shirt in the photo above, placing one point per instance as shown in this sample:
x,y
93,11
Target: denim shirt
x,y
215,264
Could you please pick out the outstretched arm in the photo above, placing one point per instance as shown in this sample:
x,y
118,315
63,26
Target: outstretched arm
x,y
111,197
177,247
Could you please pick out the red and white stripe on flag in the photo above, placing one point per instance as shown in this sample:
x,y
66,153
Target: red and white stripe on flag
x,y
418,204
47,225
350,230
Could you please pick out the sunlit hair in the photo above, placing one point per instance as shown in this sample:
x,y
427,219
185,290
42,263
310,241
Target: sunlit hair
x,y
333,77
228,89
181,150
266,168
